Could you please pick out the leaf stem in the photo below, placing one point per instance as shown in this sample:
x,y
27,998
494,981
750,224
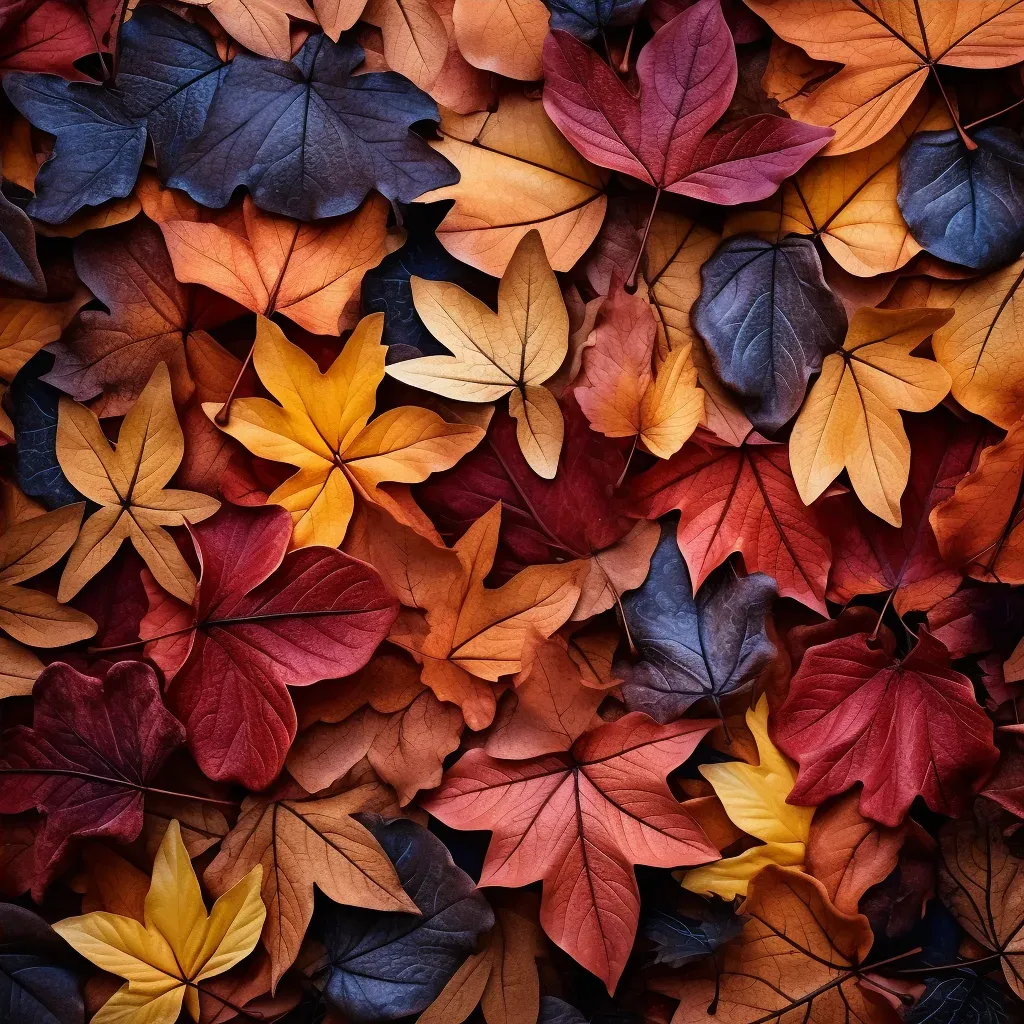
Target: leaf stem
x,y
126,783
222,417
631,281
141,642
624,66
992,117
964,137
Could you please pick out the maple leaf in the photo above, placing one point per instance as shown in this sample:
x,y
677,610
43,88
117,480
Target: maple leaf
x,y
270,264
386,965
152,319
504,36
591,813
871,557
740,499
299,841
315,115
796,954
383,713
854,714
469,636
574,516
88,758
981,883
888,54
27,549
709,644
502,977
621,395
851,417
128,482
517,173
754,797
511,352
687,75
178,946
753,294
322,426
978,527
261,621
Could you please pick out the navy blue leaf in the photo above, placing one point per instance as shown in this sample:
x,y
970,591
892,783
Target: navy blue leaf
x,y
558,1011
309,139
960,998
710,645
768,319
680,939
385,965
586,18
18,261
35,986
98,148
35,433
962,205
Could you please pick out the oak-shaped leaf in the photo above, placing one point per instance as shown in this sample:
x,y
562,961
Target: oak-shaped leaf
x,y
768,319
310,139
587,18
851,418
664,136
380,965
888,53
982,882
903,727
27,549
692,646
322,427
178,945
85,762
509,352
796,954
965,205
579,822
129,483
749,497
468,636
261,621
37,984
301,841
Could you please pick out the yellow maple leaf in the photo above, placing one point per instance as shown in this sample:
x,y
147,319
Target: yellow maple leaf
x,y
322,427
754,797
179,946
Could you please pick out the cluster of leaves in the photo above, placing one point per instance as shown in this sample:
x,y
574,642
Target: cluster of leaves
x,y
511,510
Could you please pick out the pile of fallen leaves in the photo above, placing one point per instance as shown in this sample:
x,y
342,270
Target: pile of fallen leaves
x,y
512,511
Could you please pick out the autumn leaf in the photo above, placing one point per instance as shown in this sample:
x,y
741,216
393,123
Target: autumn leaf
x,y
262,620
903,727
27,549
129,483
259,25
19,262
299,841
621,395
888,54
415,38
27,326
517,173
504,36
796,954
511,352
754,797
561,817
179,946
322,426
851,417
88,758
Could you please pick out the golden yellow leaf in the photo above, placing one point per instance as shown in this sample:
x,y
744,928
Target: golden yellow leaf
x,y
129,483
178,946
517,173
754,797
511,352
322,427
27,326
851,419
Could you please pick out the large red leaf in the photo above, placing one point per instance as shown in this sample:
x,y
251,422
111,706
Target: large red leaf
x,y
903,727
96,745
740,500
261,621
687,75
578,822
